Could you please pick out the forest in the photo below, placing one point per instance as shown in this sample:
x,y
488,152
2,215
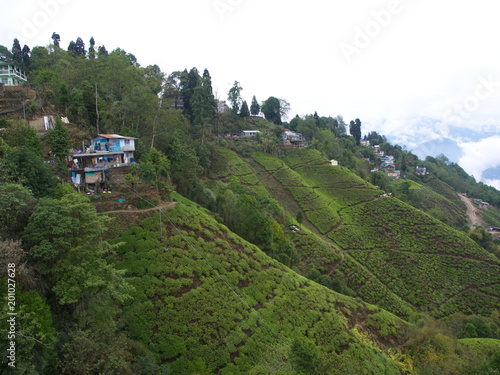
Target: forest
x,y
218,253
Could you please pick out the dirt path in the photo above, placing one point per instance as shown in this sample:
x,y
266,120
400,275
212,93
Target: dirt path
x,y
164,205
473,217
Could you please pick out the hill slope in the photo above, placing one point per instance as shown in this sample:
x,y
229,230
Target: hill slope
x,y
204,297
425,263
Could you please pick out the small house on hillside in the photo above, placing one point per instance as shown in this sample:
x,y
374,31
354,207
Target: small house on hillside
x,y
249,133
111,150
421,171
334,162
291,138
106,151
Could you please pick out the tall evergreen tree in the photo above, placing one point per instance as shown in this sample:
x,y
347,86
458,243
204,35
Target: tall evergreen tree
x,y
17,52
102,51
244,112
355,130
56,39
91,48
78,47
26,58
254,107
189,82
206,82
316,118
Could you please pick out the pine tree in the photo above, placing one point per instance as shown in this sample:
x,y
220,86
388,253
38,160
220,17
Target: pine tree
x,y
26,57
254,107
189,81
91,48
102,51
17,52
316,119
78,47
355,130
244,112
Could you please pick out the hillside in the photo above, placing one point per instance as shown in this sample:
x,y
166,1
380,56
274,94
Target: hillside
x,y
165,231
444,271
205,296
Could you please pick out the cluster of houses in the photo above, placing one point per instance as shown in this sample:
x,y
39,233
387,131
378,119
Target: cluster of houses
x,y
290,138
387,163
481,204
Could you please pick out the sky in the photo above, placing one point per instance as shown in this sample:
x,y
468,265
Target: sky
x,y
389,63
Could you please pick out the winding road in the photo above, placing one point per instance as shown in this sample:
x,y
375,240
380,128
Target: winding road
x,y
128,211
473,218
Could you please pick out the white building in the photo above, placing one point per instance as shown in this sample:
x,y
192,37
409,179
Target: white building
x,y
11,74
249,133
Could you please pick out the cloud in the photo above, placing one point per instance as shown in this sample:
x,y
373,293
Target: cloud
x,y
479,156
494,183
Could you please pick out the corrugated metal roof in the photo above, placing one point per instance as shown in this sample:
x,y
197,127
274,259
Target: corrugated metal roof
x,y
115,136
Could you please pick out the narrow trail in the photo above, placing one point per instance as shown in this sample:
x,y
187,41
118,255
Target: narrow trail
x,y
473,217
164,205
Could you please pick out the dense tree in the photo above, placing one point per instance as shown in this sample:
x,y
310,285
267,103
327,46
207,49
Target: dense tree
x,y
62,233
189,81
244,112
254,107
92,52
154,78
271,109
307,127
173,89
11,252
5,54
22,165
203,106
355,130
26,58
78,47
102,51
316,118
36,337
58,139
154,169
16,205
234,96
17,52
20,134
55,39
